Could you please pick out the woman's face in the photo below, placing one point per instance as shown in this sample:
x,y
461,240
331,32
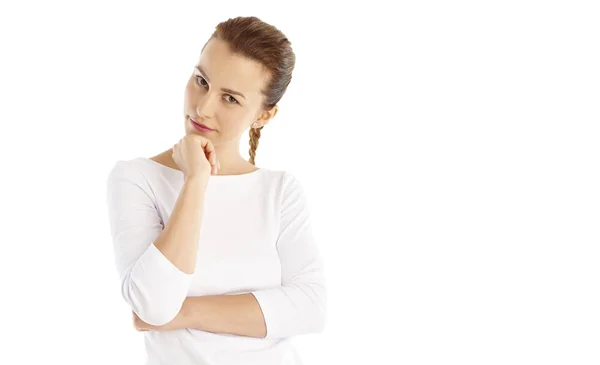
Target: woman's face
x,y
224,94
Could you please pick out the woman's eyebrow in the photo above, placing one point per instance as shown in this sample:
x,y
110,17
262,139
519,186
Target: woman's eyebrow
x,y
222,89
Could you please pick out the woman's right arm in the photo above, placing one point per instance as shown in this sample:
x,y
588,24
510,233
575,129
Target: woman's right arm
x,y
179,239
155,263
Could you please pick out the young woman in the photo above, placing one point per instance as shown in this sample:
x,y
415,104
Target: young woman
x,y
216,256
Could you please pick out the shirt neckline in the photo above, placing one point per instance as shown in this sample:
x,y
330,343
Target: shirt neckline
x,y
220,177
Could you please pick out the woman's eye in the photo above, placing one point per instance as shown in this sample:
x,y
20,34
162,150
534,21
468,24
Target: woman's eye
x,y
230,99
201,81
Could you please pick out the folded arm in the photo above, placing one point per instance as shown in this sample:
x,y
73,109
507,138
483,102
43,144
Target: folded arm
x,y
297,306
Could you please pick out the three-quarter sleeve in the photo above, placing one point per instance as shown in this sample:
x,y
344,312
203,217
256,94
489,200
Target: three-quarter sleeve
x,y
154,288
298,306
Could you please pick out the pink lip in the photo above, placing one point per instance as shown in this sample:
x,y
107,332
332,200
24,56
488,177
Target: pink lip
x,y
200,127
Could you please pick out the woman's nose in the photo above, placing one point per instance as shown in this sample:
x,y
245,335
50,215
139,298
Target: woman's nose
x,y
206,106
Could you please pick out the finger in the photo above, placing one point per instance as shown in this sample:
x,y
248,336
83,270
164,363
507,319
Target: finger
x,y
211,154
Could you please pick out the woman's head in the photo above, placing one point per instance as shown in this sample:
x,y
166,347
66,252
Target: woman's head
x,y
243,71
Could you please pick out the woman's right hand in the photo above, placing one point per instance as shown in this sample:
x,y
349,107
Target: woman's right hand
x,y
196,157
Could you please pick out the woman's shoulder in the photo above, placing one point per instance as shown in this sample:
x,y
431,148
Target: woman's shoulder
x,y
139,169
287,181
123,167
280,176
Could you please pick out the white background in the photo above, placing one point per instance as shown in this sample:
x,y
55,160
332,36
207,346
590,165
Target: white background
x,y
450,152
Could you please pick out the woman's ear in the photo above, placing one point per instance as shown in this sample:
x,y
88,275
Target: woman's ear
x,y
265,117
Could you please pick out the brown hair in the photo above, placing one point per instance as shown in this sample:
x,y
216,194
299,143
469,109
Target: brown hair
x,y
252,38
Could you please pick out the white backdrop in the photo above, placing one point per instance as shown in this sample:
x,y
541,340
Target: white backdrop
x,y
449,151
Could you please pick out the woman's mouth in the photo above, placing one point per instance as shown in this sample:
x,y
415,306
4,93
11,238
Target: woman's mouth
x,y
200,127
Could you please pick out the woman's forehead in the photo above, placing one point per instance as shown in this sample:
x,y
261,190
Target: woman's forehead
x,y
222,68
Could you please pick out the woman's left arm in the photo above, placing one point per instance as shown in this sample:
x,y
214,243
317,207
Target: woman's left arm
x,y
237,314
297,306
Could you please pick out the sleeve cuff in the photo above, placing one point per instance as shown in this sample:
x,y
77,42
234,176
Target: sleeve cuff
x,y
157,260
267,301
156,288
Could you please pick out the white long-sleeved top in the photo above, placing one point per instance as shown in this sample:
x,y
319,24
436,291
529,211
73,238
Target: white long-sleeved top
x,y
255,238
